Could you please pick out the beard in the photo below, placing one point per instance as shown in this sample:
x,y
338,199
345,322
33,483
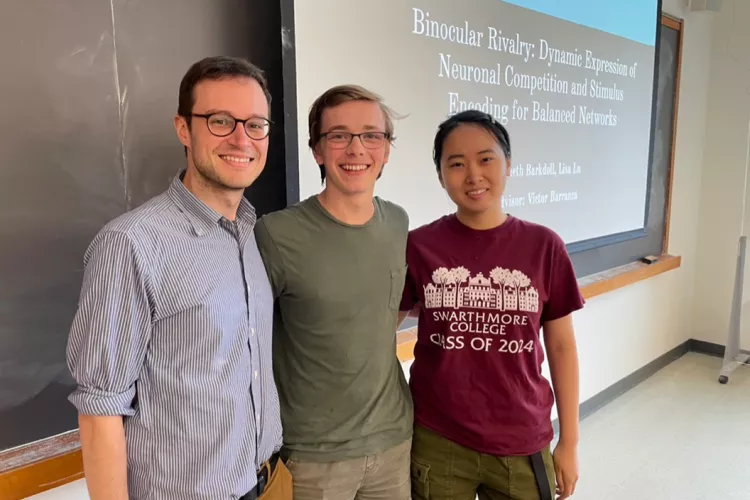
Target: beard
x,y
208,172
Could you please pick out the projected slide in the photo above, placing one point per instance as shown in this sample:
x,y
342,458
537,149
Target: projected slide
x,y
571,80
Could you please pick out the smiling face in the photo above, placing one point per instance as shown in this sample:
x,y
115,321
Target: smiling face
x,y
352,169
235,161
473,170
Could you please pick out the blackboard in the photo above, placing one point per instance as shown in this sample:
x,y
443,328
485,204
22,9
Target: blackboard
x,y
88,95
594,256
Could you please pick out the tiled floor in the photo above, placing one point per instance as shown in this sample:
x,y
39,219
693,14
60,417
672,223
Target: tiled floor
x,y
679,435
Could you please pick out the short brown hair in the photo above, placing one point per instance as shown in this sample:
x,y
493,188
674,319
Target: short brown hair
x,y
217,68
339,95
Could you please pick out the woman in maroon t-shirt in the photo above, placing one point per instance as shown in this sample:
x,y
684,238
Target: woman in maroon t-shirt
x,y
485,284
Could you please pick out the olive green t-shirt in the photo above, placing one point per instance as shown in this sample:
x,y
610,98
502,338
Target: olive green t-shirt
x,y
338,287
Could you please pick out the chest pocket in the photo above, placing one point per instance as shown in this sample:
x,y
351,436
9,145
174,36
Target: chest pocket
x,y
398,276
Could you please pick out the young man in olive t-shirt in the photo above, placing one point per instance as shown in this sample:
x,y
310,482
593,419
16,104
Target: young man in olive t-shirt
x,y
337,265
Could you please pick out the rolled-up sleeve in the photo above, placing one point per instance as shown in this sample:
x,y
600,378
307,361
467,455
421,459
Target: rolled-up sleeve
x,y
112,327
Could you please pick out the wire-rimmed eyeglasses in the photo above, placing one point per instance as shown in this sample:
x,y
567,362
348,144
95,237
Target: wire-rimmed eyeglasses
x,y
223,124
341,140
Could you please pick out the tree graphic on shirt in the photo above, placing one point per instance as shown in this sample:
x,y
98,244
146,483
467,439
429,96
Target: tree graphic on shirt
x,y
456,289
514,281
526,296
438,275
500,276
449,289
462,275
522,281
440,278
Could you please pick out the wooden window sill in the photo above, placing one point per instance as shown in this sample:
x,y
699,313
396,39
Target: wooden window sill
x,y
40,466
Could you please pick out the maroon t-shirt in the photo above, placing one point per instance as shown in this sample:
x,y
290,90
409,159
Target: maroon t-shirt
x,y
477,377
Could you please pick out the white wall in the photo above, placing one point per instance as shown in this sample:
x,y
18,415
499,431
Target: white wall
x,y
622,331
720,219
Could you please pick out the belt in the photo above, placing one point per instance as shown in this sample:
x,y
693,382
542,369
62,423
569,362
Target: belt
x,y
540,474
264,475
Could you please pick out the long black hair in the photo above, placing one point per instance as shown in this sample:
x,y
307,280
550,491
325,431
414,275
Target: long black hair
x,y
473,117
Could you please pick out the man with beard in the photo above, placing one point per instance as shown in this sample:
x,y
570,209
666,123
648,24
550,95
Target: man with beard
x,y
171,343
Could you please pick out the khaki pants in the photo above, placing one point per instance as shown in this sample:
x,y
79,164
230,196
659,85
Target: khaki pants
x,y
443,470
379,477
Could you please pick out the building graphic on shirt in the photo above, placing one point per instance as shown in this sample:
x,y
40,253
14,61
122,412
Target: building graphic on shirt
x,y
503,289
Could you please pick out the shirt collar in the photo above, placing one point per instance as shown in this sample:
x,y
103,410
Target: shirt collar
x,y
202,217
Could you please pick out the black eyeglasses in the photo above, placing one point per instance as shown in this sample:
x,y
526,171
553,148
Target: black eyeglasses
x,y
223,124
341,140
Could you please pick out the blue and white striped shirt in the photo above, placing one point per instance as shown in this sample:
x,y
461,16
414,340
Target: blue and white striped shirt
x,y
173,331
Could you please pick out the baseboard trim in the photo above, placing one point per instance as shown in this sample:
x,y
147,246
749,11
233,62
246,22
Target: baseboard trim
x,y
593,404
709,348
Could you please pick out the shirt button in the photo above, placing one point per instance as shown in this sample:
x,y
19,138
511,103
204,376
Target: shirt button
x,y
256,374
252,331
